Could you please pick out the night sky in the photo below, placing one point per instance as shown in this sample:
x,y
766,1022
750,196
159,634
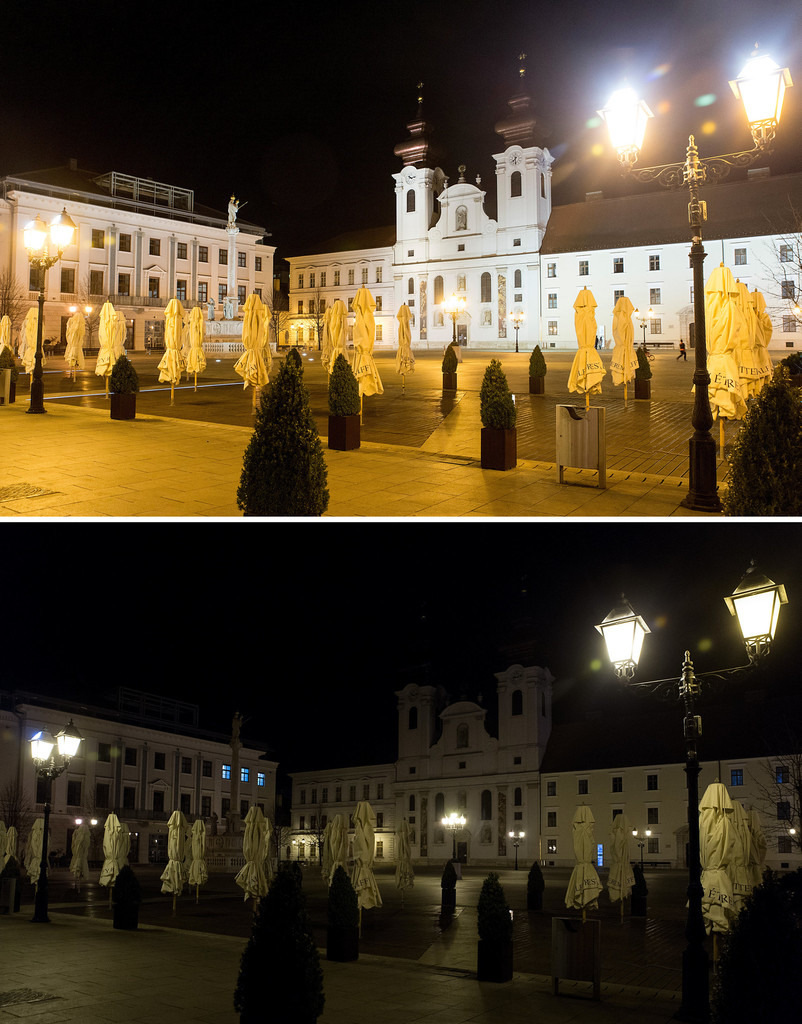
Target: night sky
x,y
306,633
298,111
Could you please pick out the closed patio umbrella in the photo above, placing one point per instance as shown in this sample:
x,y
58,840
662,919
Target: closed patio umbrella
x,y
171,363
741,853
174,875
757,850
79,863
404,875
76,334
12,837
337,332
365,370
196,359
763,332
28,336
620,878
106,335
33,851
404,360
335,847
726,332
625,361
251,877
5,334
748,369
198,872
362,877
251,364
716,841
587,369
112,845
326,346
584,885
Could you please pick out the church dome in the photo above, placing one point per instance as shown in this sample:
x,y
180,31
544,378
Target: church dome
x,y
520,126
417,150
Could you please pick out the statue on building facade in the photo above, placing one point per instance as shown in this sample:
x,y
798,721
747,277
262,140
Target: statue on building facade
x,y
210,309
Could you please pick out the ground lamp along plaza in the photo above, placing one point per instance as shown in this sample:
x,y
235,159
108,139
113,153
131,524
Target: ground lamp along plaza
x,y
38,239
517,318
454,822
641,843
455,307
49,765
756,603
761,85
516,838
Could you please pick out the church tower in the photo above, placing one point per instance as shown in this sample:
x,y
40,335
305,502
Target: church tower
x,y
523,176
415,188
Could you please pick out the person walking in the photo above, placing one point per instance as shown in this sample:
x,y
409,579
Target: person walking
x,y
682,353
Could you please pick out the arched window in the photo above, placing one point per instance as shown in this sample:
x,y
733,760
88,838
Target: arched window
x,y
462,218
517,703
438,291
412,720
487,805
410,201
543,185
517,279
517,798
462,735
439,808
411,286
485,287
515,184
411,801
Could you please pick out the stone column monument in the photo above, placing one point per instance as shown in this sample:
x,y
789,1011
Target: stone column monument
x,y
233,818
232,303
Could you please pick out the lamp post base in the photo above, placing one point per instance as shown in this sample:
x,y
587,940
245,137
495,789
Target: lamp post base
x,y
702,493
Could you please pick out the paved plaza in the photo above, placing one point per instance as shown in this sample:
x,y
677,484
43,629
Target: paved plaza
x,y
413,967
420,452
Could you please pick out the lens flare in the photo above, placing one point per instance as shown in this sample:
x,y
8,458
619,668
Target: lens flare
x,y
593,122
709,127
597,149
705,644
707,100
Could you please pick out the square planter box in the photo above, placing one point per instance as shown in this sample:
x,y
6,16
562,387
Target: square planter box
x,y
499,448
643,388
449,382
537,385
344,433
123,407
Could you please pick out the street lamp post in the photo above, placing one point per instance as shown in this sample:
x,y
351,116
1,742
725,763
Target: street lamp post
x,y
454,308
516,838
761,85
517,318
454,822
47,767
641,843
756,602
38,238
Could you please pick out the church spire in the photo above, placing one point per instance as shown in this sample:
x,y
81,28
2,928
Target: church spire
x,y
416,151
519,128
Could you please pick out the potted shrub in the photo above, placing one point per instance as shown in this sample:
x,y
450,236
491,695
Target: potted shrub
x,y
643,375
448,885
342,926
497,410
10,887
449,368
8,365
280,973
639,893
534,888
494,960
126,897
793,365
765,465
284,472
344,434
123,385
537,372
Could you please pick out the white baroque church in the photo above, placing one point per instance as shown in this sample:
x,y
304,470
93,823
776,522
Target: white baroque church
x,y
533,258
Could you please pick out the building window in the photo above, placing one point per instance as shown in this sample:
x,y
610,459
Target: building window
x,y
789,325
129,797
380,791
785,844
124,244
551,819
324,795
67,279
130,756
618,293
260,778
486,805
181,291
379,819
222,257
245,774
654,263
582,787
206,769
378,276
102,795
584,268
336,277
74,792
123,284
517,707
366,791
655,325
653,844
736,777
96,285
439,807
313,796
652,815
206,807
153,287
740,258
553,328
242,259
651,782
203,254
186,765
655,297
618,784
98,238
155,246
783,810
203,291
412,718
781,776
352,793
462,736
226,773
786,253
551,846
104,752
552,301
515,184
551,270
517,278
485,288
410,201
181,250
338,794
517,796
787,290
411,802
551,787
159,760
618,264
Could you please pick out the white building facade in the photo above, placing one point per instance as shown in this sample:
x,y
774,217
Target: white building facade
x,y
534,259
136,766
138,244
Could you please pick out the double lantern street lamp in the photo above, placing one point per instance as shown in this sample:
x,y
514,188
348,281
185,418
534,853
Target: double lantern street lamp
x,y
38,239
454,822
48,768
455,307
761,85
756,603
516,838
517,318
641,843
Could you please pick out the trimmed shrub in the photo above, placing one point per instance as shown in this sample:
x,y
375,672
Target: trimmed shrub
x,y
343,905
8,362
644,371
450,363
496,406
124,379
537,364
494,921
343,389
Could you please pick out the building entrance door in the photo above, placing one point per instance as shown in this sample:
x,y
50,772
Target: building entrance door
x,y
462,853
462,334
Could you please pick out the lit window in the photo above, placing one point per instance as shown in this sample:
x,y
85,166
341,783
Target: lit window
x,y
260,778
553,328
245,774
737,777
551,846
226,771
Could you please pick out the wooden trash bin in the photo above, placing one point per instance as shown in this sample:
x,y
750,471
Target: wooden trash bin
x,y
576,952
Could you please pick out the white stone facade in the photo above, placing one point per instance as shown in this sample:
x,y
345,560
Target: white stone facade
x,y
131,247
